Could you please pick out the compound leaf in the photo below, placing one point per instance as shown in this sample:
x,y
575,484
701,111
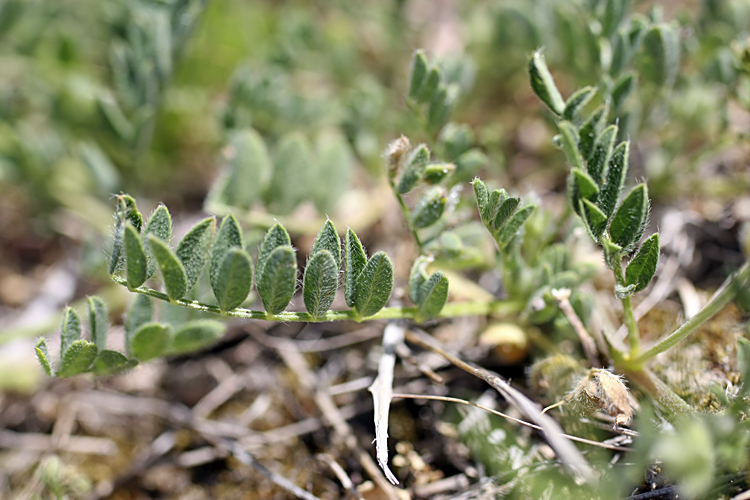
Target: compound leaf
x,y
172,270
320,282
151,340
355,262
193,249
77,358
374,285
277,283
642,267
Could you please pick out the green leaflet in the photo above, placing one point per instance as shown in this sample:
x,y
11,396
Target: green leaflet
x,y
355,262
77,358
429,208
135,258
621,52
112,363
126,212
320,282
172,270
417,277
596,220
328,239
196,335
577,102
228,236
436,173
234,279
504,211
543,84
275,237
630,219
159,225
590,130
43,355
430,86
413,169
661,54
441,105
139,314
483,198
508,232
585,185
616,173
418,73
374,285
614,13
333,168
570,140
433,295
497,198
622,88
249,169
455,140
601,154
70,329
642,266
151,340
292,175
193,249
277,282
99,321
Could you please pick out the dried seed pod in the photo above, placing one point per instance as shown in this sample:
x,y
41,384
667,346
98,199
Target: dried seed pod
x,y
603,390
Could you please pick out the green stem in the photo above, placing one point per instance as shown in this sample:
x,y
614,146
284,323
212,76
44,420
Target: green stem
x,y
406,212
659,391
634,335
719,301
452,310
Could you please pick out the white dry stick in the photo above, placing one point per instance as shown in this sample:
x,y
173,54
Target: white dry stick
x,y
382,390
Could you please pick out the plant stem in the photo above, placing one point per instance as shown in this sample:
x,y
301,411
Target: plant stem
x,y
659,391
452,310
721,298
407,214
634,335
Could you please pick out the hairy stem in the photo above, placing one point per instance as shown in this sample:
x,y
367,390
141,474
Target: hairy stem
x,y
634,335
719,301
407,214
452,310
659,391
